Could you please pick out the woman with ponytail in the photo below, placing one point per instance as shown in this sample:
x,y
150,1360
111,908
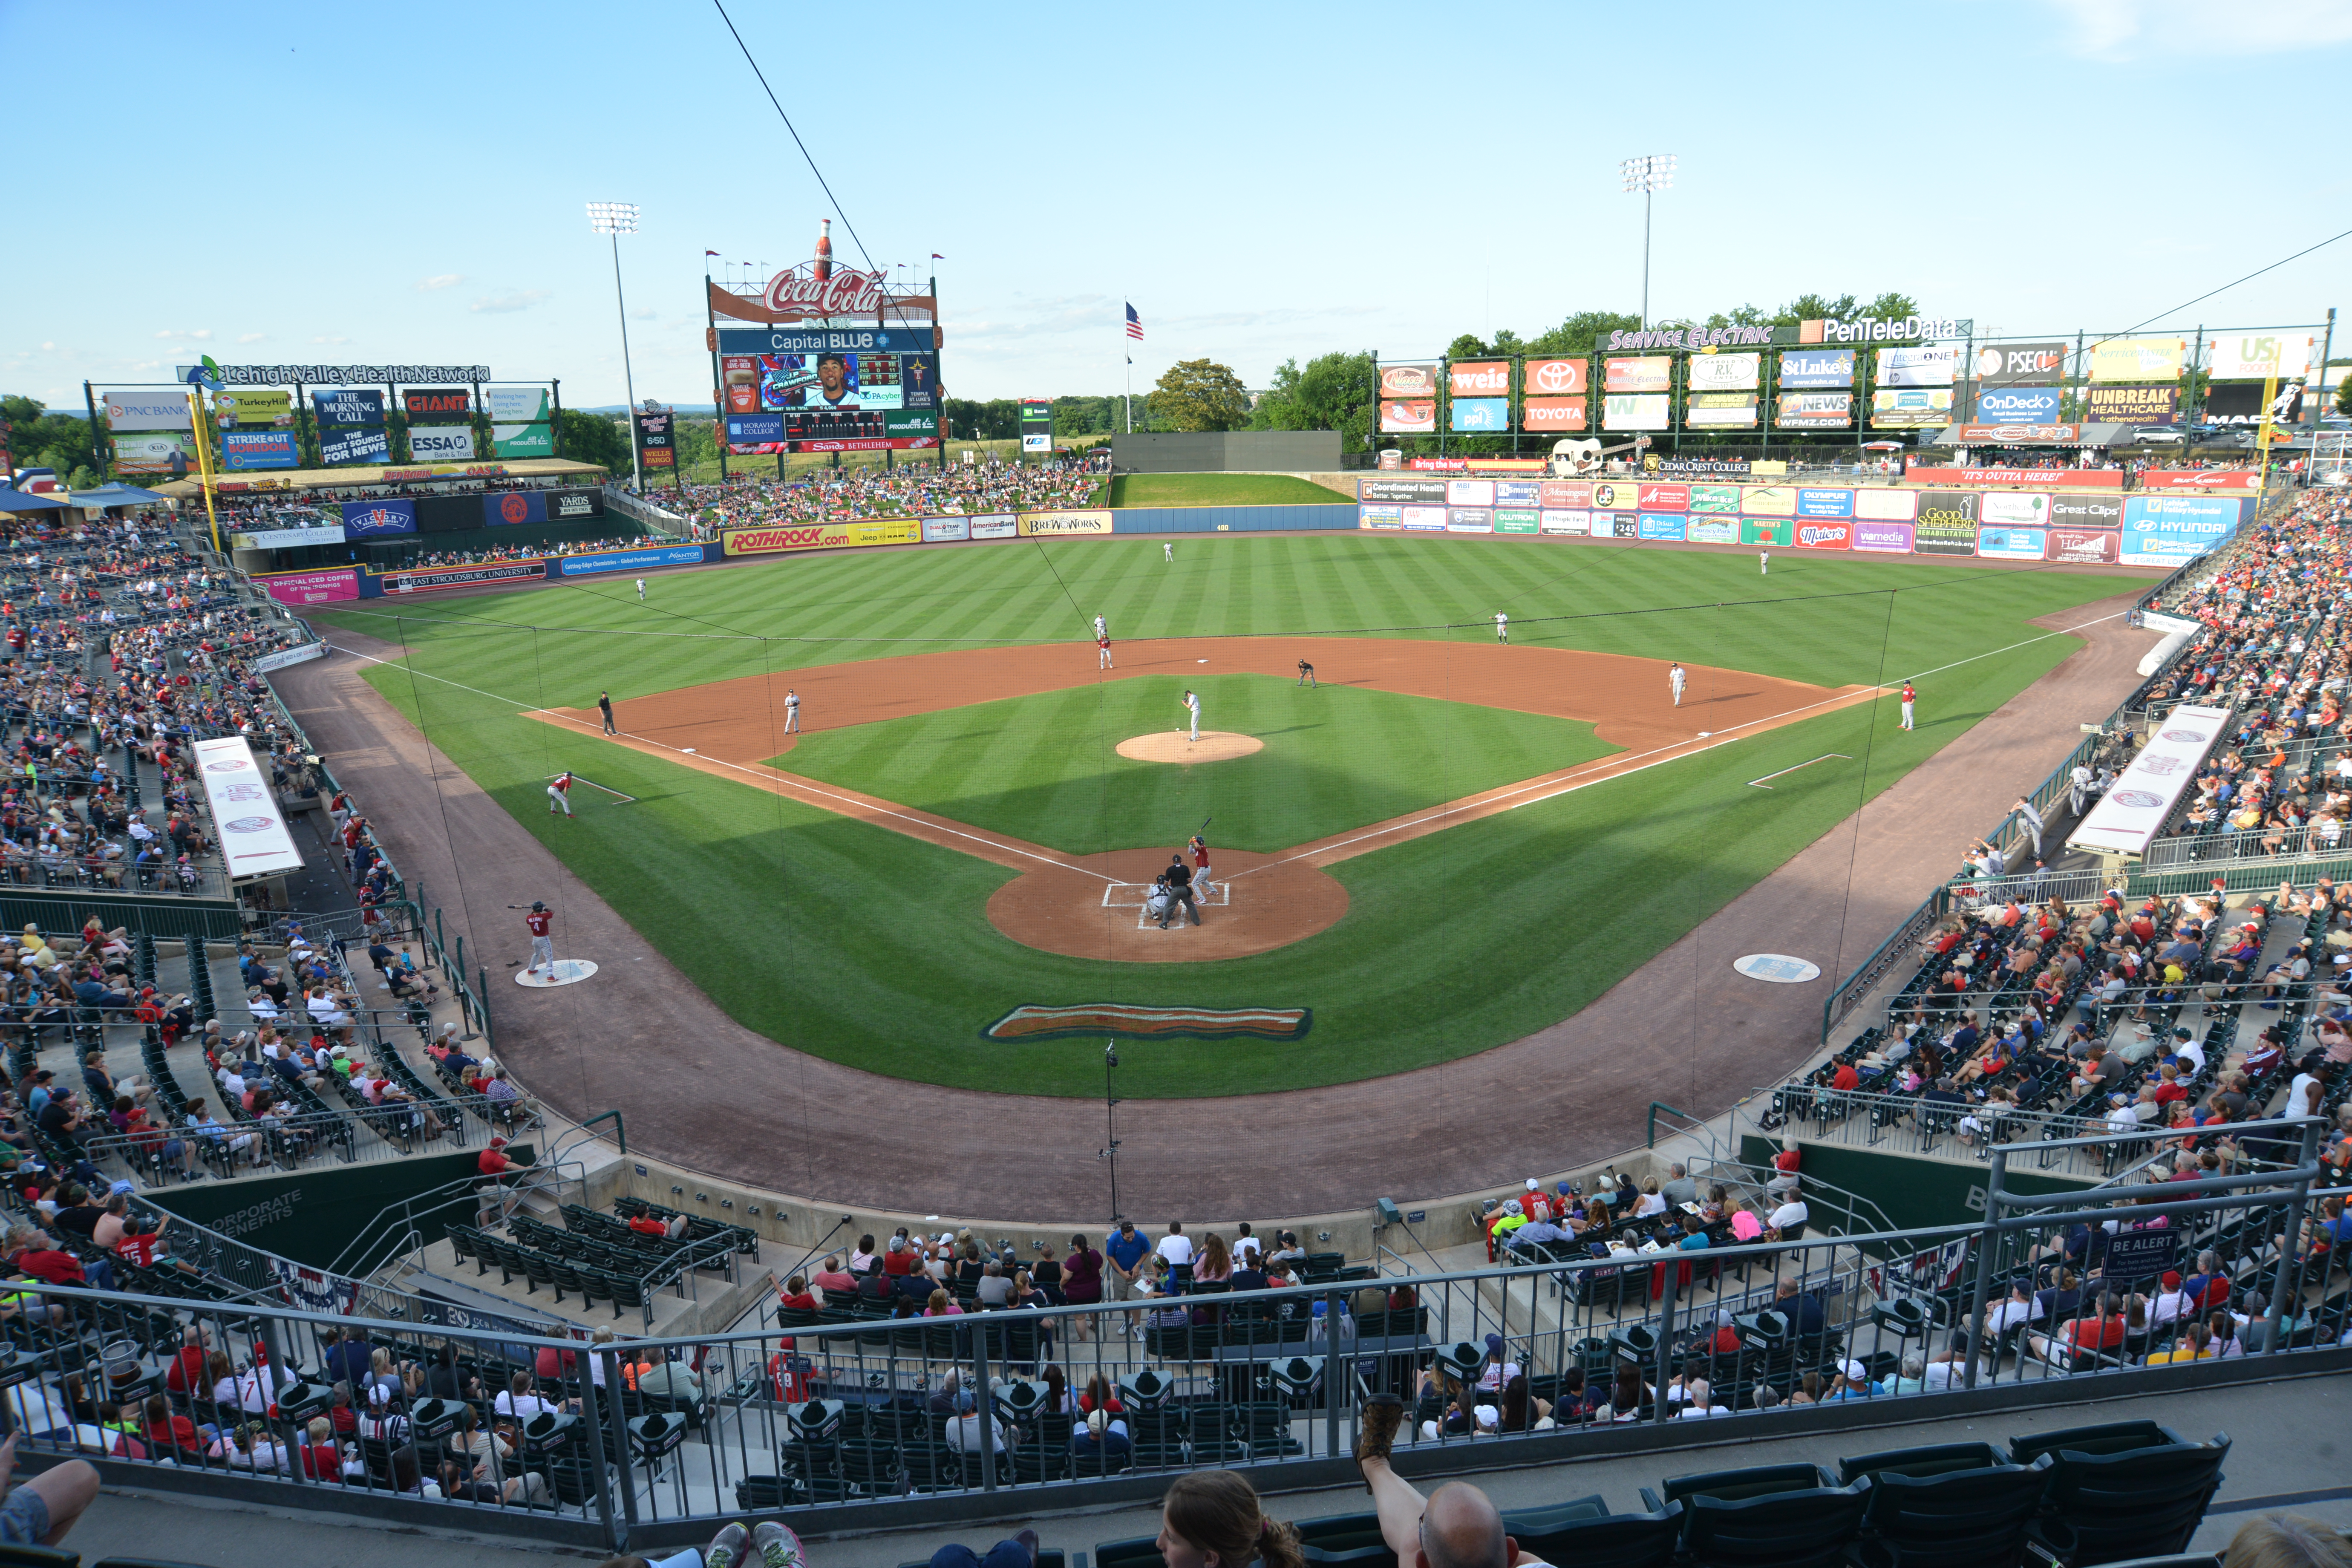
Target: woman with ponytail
x,y
1212,1519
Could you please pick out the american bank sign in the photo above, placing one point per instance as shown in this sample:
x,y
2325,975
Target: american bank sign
x,y
340,374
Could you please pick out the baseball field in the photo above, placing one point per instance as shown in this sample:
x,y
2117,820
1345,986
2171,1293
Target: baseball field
x,y
1442,845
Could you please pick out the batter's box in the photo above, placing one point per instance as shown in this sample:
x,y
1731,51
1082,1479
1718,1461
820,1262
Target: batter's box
x,y
1131,895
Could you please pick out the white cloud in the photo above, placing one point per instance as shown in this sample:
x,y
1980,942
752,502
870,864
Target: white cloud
x,y
48,347
198,336
326,339
646,315
513,300
2133,29
439,280
251,337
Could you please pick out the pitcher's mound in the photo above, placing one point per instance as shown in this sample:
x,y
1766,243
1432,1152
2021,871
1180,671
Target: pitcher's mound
x,y
1177,746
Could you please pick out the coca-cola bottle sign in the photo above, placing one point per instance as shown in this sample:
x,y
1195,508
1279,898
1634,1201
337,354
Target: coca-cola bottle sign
x,y
845,293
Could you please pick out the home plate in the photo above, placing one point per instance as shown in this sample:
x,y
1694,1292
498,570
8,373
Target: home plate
x,y
562,971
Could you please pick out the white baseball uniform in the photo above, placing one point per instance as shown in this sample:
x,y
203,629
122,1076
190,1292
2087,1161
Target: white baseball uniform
x,y
1101,630
1764,563
641,590
791,712
1502,627
1168,549
1193,703
1676,678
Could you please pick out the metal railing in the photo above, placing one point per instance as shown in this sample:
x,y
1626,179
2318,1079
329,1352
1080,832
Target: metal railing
x,y
1909,1125
1899,947
839,1427
2320,838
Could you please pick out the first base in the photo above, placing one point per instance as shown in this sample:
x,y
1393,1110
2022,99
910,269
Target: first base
x,y
562,971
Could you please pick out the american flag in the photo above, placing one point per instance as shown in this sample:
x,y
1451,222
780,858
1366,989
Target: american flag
x,y
1134,324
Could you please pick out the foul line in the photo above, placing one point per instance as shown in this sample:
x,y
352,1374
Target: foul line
x,y
1825,756
787,783
591,784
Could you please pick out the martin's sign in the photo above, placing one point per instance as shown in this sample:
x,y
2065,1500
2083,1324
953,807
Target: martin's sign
x,y
845,293
1692,337
1907,328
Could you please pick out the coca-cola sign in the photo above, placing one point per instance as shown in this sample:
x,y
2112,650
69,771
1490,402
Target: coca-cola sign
x,y
845,293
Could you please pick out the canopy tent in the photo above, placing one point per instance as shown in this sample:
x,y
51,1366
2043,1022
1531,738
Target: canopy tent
x,y
116,494
19,500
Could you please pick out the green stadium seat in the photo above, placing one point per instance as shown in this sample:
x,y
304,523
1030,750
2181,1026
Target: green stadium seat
x,y
2103,1505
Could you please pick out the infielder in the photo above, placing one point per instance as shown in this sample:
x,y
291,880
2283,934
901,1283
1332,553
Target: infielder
x,y
542,947
1102,648
1676,679
1101,628
604,706
792,712
1764,563
1908,697
1502,628
559,795
1200,883
1168,550
1307,675
641,590
1193,705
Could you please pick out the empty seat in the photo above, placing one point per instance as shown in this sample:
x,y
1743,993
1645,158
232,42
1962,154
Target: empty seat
x,y
1606,1540
1953,1506
1772,1516
2107,1501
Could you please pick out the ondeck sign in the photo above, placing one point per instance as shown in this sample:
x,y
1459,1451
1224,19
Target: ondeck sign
x,y
821,536
253,837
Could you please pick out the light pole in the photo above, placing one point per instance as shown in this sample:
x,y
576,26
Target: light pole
x,y
1111,1124
617,218
1648,174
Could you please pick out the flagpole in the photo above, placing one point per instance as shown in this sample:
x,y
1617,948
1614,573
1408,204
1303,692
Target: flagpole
x,y
1127,355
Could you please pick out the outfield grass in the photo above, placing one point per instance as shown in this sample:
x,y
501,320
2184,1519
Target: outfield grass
x,y
1044,768
1218,489
871,948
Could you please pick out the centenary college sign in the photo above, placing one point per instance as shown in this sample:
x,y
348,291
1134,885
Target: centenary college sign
x,y
845,293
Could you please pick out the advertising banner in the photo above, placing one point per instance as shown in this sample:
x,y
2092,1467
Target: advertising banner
x,y
2240,404
997,525
1911,409
1478,378
1654,373
1518,492
145,411
2012,435
2256,356
1556,378
656,439
1824,502
521,421
2138,359
1615,495
301,653
1477,414
1663,498
1417,418
1933,367
832,535
1616,525
1409,383
2086,512
1691,467
1552,413
1947,524
242,449
2131,405
1714,498
2021,404
1050,524
522,440
1470,520
2166,530
426,580
1883,538
1470,492
2011,543
2247,479
1886,504
1566,519
379,519
1516,520
1720,411
1712,530
2087,546
1824,535
437,405
1660,525
2132,813
1421,519
2021,364
253,409
1823,367
1638,411
454,444
253,839
628,560
1565,492
507,509
750,434
1815,411
285,538
818,341
152,451
1725,373
351,406
2044,479
328,587
565,506
2012,508
1375,516
1772,530
1767,500
1411,492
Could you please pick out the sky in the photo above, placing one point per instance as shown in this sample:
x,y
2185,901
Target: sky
x,y
348,184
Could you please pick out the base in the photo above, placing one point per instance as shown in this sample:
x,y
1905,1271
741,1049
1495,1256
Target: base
x,y
562,971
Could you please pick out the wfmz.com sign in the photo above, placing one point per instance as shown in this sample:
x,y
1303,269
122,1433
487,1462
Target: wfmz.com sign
x,y
339,374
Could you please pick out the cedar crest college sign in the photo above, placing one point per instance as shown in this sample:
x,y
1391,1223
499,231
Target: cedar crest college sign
x,y
341,375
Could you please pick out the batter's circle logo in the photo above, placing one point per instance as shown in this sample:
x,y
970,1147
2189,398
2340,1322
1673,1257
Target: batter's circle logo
x,y
514,509
2138,797
249,824
2185,737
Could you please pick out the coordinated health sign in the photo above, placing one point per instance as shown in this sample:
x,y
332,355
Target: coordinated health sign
x,y
2166,530
2131,814
253,837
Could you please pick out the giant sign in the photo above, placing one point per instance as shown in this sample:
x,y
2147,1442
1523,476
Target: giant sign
x,y
437,405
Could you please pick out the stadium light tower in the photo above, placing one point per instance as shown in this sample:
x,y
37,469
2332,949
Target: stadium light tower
x,y
617,218
1648,174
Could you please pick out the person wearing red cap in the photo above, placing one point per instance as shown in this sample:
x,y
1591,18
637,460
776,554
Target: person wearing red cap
x,y
494,1160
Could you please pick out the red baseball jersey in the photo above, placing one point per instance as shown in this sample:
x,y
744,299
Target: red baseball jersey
x,y
539,921
1200,853
564,783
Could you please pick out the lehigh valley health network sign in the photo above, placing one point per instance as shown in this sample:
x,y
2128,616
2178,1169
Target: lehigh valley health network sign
x,y
341,375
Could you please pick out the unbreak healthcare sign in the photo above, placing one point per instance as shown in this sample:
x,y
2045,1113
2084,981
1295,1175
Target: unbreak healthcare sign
x,y
821,536
1049,524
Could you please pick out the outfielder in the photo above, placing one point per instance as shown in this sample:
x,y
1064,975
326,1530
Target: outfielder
x,y
792,712
1676,679
1200,883
542,947
641,590
1502,628
559,794
1101,628
1908,697
1764,563
1168,550
1102,648
1193,705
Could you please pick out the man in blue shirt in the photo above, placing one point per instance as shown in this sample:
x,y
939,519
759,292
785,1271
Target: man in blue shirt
x,y
1125,1249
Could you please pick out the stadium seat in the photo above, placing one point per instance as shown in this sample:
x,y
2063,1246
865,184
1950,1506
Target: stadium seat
x,y
1952,1506
1138,1551
1772,1516
2114,1493
1608,1539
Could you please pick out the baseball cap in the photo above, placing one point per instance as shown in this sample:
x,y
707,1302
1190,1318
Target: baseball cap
x,y
1855,1372
2172,1279
1494,1341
